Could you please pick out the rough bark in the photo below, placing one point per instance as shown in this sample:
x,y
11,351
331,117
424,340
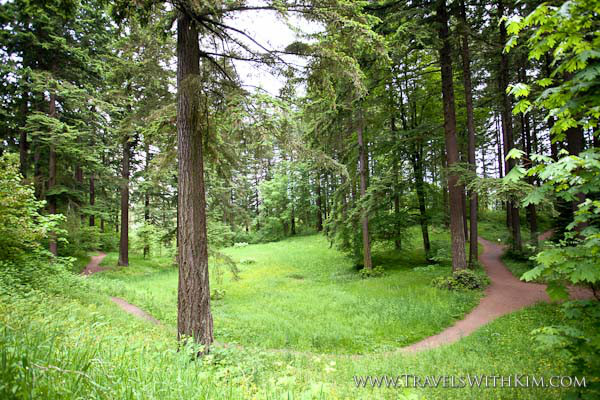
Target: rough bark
x,y
194,318
468,86
459,260
362,160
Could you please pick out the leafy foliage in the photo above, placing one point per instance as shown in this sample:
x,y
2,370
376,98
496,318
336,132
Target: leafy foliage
x,y
22,226
461,280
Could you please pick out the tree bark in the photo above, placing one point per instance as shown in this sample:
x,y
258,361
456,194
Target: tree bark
x,y
124,239
459,260
147,199
508,128
194,318
466,58
23,143
526,138
397,231
417,161
362,157
319,204
92,198
52,175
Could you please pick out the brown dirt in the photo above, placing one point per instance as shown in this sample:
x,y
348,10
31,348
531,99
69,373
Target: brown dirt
x,y
134,310
94,265
505,294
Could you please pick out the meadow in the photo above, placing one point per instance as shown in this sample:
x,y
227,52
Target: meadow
x,y
296,325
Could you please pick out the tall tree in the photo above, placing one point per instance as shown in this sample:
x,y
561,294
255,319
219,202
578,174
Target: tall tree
x,y
507,126
459,260
468,87
194,317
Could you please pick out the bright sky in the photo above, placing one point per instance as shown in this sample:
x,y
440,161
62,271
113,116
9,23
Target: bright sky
x,y
271,31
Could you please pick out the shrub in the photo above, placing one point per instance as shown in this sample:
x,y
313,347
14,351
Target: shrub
x,y
372,273
22,227
464,279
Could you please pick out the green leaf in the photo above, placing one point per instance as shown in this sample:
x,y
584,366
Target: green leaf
x,y
515,174
557,291
515,153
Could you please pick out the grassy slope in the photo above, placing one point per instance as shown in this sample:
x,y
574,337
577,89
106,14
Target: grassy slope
x,y
85,347
300,294
74,343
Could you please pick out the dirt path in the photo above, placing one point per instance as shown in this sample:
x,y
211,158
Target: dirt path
x,y
134,310
505,294
94,265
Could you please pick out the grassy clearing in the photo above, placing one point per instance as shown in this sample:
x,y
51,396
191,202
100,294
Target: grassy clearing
x,y
85,347
300,294
68,341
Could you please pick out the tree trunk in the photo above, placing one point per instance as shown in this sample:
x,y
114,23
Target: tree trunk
x,y
147,200
508,129
52,175
92,199
526,138
397,224
194,318
466,59
362,158
23,144
124,239
417,160
459,260
319,204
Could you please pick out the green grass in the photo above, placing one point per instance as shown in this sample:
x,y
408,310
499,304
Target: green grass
x,y
57,347
300,294
66,340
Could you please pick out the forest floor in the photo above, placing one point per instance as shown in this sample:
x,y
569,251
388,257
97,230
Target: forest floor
x,y
505,294
71,341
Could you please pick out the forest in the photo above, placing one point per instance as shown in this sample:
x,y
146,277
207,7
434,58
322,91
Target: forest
x,y
300,199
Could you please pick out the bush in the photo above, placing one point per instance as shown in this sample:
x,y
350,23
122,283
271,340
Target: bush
x,y
372,273
22,227
464,279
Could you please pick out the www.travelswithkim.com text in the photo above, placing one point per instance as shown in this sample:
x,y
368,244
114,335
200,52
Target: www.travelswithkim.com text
x,y
462,381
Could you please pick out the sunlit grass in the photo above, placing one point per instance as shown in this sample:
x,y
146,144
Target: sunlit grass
x,y
300,294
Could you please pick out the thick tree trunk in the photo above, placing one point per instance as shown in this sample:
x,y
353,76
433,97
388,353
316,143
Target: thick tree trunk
x,y
124,239
459,259
194,318
466,59
508,128
52,175
362,159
